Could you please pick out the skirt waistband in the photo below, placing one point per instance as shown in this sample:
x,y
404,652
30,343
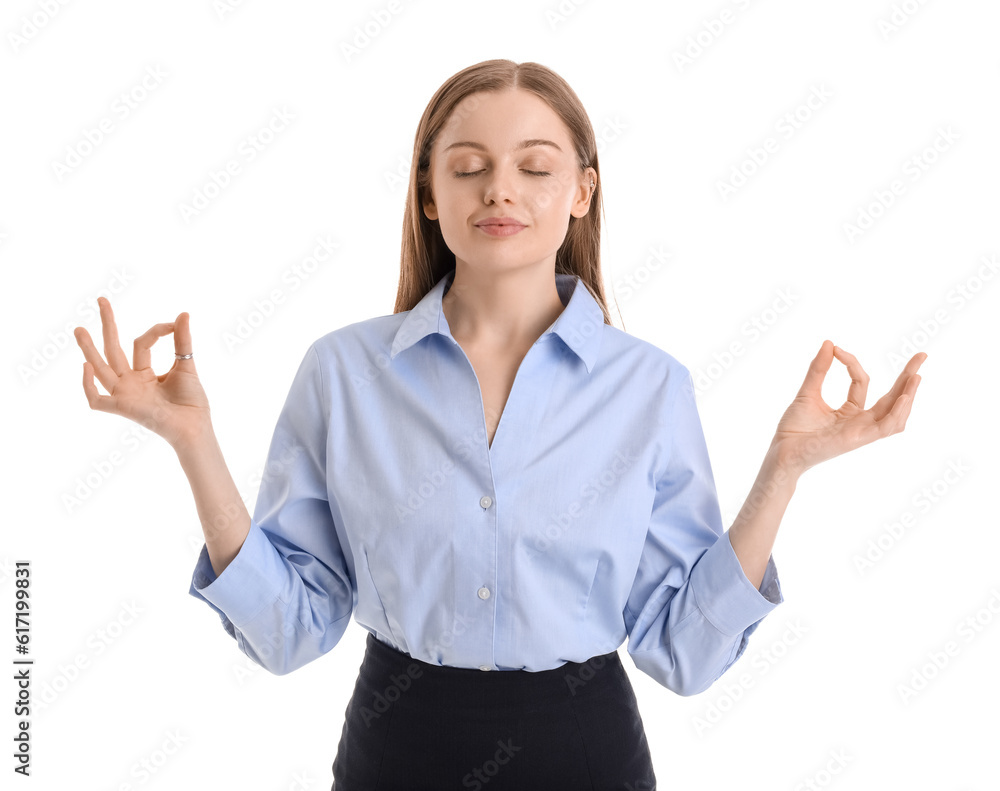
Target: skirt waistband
x,y
461,688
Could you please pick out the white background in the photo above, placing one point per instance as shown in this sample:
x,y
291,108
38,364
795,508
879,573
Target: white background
x,y
673,131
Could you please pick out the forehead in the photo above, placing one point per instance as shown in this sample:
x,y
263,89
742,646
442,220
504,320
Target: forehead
x,y
499,121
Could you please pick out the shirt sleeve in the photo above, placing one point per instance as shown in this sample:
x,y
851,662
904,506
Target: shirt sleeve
x,y
287,597
691,609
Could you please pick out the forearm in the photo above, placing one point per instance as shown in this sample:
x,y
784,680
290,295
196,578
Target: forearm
x,y
224,517
756,525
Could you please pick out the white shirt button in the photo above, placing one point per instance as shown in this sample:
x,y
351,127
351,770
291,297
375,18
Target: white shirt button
x,y
484,667
485,501
484,592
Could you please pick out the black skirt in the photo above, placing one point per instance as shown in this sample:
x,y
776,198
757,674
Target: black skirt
x,y
412,725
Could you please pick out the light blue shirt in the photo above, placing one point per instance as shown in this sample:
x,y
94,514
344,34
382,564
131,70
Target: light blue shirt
x,y
592,517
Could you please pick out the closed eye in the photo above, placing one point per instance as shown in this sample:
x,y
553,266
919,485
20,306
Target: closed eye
x,y
460,174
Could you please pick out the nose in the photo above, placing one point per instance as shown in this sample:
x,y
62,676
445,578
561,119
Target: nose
x,y
499,186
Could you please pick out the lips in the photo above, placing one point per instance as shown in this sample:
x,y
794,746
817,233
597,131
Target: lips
x,y
502,221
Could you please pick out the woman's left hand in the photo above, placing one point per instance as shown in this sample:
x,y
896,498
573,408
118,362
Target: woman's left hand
x,y
810,431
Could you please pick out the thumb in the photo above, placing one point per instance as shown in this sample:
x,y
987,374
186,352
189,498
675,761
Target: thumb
x,y
182,342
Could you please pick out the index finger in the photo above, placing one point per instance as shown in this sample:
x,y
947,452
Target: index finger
x,y
858,391
812,385
112,348
141,357
882,407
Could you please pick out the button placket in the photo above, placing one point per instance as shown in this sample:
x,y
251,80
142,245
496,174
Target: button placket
x,y
484,592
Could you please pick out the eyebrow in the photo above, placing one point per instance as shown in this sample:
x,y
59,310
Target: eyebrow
x,y
523,144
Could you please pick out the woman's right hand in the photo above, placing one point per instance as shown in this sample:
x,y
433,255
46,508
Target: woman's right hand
x,y
173,405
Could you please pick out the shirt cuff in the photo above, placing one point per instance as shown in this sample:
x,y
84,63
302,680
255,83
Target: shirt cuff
x,y
724,594
247,585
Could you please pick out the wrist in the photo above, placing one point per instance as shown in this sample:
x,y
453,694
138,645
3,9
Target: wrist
x,y
195,441
783,462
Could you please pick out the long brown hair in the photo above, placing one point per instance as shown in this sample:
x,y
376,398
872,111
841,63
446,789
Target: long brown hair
x,y
424,256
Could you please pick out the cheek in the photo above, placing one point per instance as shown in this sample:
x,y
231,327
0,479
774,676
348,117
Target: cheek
x,y
554,206
458,197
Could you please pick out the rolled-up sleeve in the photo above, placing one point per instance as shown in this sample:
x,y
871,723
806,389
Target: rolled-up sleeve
x,y
287,597
691,609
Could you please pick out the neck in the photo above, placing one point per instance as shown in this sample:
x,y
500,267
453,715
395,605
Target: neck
x,y
501,309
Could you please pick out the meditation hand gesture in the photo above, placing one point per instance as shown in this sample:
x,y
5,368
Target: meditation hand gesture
x,y
173,405
810,431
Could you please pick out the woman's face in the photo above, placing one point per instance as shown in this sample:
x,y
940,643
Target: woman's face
x,y
538,185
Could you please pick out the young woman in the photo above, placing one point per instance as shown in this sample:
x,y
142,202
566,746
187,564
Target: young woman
x,y
497,483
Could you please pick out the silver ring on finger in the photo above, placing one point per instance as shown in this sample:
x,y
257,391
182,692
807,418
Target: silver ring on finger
x,y
183,356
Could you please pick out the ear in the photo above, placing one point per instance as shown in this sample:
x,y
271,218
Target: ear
x,y
581,205
430,209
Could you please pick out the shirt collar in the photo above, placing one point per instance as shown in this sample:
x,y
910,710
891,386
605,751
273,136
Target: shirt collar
x,y
579,325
